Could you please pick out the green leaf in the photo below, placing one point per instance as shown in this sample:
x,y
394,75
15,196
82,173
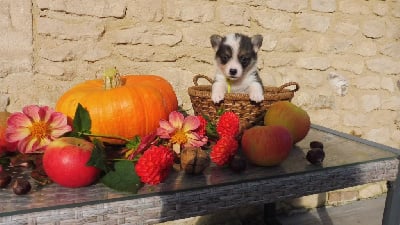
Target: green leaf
x,y
134,143
211,128
123,178
82,122
98,156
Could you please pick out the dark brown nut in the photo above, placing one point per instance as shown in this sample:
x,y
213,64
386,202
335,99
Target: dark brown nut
x,y
21,186
237,164
5,179
316,144
315,156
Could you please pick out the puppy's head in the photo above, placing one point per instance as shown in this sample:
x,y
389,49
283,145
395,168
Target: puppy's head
x,y
236,54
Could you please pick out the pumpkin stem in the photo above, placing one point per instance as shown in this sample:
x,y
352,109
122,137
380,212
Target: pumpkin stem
x,y
111,78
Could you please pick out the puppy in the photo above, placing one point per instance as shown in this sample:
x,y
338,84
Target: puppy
x,y
236,59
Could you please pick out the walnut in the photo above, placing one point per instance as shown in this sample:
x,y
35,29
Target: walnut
x,y
194,160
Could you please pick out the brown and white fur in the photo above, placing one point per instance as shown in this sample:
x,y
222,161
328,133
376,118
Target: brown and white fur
x,y
236,59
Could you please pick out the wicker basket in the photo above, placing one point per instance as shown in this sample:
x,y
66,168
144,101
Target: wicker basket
x,y
249,112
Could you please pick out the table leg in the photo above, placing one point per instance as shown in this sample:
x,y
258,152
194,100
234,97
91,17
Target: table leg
x,y
391,215
270,214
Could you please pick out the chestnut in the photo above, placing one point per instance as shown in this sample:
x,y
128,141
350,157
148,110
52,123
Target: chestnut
x,y
21,186
237,164
315,155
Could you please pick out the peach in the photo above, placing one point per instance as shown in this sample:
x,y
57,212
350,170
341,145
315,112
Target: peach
x,y
266,145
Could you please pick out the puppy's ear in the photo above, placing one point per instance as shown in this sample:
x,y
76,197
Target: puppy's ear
x,y
257,40
215,41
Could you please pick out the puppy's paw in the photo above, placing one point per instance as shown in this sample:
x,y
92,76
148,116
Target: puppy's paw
x,y
256,96
217,97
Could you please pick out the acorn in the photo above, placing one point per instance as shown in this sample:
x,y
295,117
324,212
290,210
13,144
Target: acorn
x,y
194,160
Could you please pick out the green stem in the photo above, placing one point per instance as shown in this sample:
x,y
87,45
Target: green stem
x,y
106,136
111,78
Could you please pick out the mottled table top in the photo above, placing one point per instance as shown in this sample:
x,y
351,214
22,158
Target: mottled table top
x,y
341,150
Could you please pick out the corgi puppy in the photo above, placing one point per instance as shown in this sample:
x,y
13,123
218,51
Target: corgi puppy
x,y
236,64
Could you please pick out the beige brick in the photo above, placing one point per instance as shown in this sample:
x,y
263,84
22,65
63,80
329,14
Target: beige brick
x,y
287,5
323,5
145,10
69,30
334,44
387,83
347,27
233,15
199,12
99,8
310,201
156,34
368,82
383,65
313,22
380,8
391,103
296,43
354,7
314,62
374,28
273,20
365,47
391,49
370,102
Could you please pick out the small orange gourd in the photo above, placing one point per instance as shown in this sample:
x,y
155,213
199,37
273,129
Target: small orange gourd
x,y
123,106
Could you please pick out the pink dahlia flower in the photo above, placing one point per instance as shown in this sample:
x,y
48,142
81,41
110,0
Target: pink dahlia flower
x,y
181,131
35,127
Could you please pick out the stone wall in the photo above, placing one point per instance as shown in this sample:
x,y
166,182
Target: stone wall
x,y
344,53
16,62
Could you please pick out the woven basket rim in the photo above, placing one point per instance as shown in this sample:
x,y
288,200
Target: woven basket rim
x,y
269,91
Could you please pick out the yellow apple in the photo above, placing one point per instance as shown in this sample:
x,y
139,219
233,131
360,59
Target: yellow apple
x,y
287,114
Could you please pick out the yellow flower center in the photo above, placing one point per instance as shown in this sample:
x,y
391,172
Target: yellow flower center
x,y
179,137
39,129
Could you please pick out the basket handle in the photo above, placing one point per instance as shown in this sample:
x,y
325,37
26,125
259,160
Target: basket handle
x,y
198,76
297,87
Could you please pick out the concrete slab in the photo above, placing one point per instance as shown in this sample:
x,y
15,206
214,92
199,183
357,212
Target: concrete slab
x,y
365,212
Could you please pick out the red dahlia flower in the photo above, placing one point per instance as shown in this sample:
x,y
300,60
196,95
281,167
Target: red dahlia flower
x,y
154,165
223,150
201,130
228,124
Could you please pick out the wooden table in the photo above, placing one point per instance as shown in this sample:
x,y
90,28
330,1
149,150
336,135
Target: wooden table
x,y
349,161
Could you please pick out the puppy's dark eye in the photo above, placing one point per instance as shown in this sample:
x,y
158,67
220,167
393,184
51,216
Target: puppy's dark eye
x,y
224,58
244,60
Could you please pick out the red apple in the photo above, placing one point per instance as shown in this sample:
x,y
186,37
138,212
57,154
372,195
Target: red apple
x,y
287,114
64,161
266,145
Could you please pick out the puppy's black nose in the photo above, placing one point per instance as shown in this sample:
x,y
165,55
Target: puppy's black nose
x,y
232,72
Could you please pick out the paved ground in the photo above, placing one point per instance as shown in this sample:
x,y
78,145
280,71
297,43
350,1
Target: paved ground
x,y
365,212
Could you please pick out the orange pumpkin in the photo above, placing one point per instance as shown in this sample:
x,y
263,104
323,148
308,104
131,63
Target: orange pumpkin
x,y
4,145
132,105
